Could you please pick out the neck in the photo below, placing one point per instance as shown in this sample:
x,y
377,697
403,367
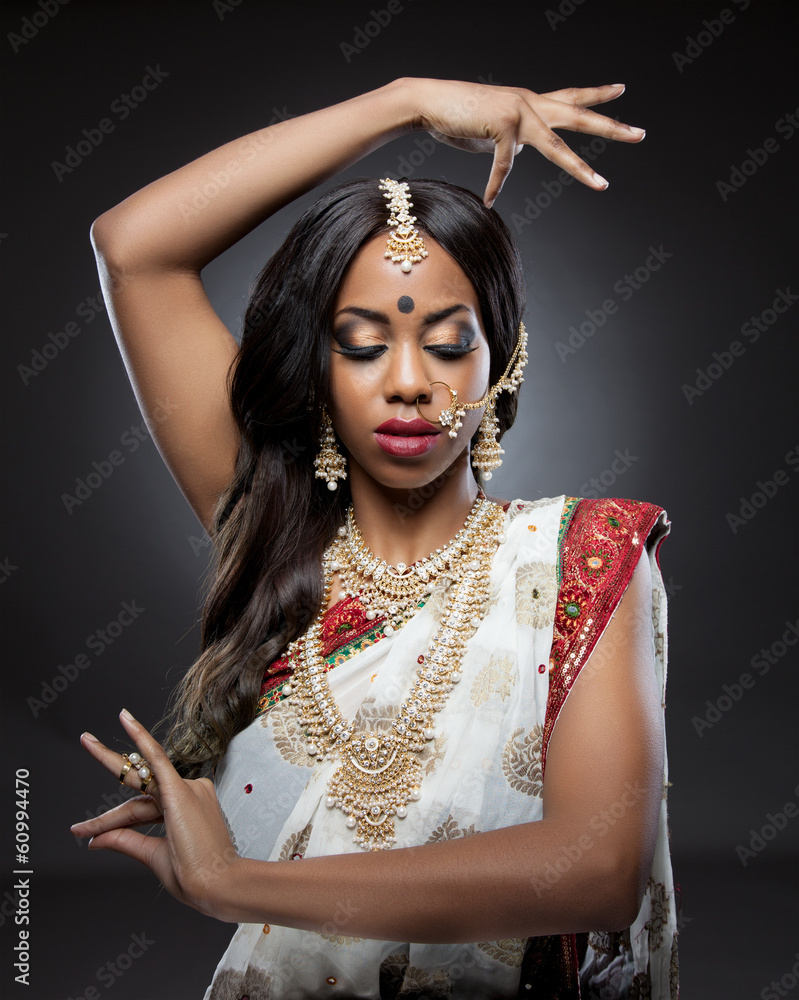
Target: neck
x,y
405,525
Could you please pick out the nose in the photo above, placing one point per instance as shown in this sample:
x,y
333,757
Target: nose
x,y
406,378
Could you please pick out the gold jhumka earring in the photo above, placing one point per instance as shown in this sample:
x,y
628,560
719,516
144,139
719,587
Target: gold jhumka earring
x,y
487,451
330,464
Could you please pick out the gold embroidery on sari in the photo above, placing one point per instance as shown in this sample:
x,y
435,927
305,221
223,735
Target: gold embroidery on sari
x,y
449,830
659,909
521,761
496,677
296,844
288,736
337,940
509,951
536,592
434,984
641,987
232,984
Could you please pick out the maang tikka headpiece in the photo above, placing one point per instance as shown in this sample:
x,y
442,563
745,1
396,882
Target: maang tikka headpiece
x,y
405,245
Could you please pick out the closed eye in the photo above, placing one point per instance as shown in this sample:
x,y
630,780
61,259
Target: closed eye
x,y
361,353
449,351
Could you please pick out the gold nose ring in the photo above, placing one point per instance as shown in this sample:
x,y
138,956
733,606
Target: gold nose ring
x,y
450,417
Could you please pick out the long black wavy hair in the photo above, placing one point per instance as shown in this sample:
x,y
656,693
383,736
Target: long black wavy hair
x,y
272,523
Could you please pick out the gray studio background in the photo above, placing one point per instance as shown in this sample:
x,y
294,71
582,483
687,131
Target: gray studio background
x,y
694,243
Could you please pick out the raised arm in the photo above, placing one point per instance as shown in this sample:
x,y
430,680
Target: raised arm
x,y
152,247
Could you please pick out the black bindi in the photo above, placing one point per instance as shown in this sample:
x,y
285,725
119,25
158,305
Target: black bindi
x,y
406,304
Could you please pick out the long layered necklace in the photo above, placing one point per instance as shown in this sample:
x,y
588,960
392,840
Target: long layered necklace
x,y
379,772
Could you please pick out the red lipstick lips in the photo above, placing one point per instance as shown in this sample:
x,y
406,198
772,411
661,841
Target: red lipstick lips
x,y
406,438
407,428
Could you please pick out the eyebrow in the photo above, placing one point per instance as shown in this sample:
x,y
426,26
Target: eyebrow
x,y
380,317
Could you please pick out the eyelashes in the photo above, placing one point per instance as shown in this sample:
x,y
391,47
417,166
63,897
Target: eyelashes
x,y
447,352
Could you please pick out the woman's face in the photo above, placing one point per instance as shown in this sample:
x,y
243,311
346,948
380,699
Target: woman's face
x,y
393,334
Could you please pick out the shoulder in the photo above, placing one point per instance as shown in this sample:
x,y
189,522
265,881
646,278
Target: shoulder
x,y
599,555
619,523
600,545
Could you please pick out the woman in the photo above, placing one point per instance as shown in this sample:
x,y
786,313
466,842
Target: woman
x,y
409,780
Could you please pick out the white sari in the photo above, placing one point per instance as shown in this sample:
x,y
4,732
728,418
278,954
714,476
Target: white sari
x,y
483,771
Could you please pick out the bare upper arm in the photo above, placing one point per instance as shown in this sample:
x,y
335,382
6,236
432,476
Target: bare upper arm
x,y
604,772
177,353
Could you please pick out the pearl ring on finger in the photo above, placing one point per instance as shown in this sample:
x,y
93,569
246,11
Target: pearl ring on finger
x,y
142,769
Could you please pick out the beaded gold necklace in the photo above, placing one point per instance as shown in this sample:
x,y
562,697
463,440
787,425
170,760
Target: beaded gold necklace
x,y
379,772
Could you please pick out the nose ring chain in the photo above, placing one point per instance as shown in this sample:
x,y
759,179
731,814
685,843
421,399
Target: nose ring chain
x,y
452,416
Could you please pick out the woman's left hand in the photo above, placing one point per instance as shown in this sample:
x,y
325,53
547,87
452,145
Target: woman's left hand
x,y
195,860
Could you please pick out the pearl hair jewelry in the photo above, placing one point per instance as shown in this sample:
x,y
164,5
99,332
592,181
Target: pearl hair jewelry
x,y
405,245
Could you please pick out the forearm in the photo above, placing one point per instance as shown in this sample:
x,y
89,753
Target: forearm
x,y
502,884
187,218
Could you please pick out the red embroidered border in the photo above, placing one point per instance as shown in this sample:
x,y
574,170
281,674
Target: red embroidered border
x,y
344,623
596,560
598,549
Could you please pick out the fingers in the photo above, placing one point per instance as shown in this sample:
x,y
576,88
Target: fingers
x,y
550,145
568,109
115,763
153,852
504,152
540,114
557,114
149,747
141,811
587,96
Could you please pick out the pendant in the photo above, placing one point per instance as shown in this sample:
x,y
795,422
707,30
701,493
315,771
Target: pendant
x,y
377,778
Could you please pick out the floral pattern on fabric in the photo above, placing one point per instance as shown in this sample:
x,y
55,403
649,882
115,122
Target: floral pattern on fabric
x,y
296,845
339,940
600,542
609,942
509,951
536,591
587,599
674,972
641,987
451,806
450,830
571,609
289,738
521,761
595,561
496,677
431,985
392,972
232,984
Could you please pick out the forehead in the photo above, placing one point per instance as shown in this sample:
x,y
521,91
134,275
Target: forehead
x,y
436,281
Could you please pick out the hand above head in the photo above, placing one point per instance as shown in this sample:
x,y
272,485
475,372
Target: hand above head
x,y
501,120
196,856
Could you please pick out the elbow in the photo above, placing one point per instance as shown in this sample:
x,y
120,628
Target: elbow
x,y
104,234
117,240
624,884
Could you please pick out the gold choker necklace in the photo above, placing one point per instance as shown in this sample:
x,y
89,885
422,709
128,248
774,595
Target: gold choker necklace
x,y
379,771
